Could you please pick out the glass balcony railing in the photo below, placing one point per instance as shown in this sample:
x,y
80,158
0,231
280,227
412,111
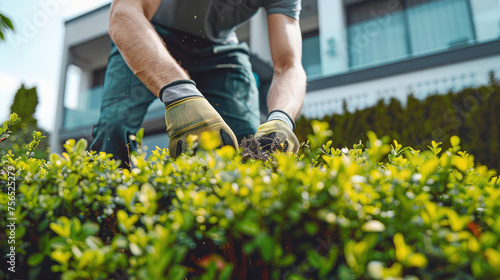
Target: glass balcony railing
x,y
89,107
422,28
87,111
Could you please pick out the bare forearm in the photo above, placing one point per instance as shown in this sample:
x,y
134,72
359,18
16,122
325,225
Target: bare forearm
x,y
143,49
287,90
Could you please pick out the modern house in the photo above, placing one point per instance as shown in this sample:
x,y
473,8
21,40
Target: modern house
x,y
359,51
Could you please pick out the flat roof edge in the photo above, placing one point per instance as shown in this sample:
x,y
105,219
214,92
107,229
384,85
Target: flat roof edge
x,y
87,14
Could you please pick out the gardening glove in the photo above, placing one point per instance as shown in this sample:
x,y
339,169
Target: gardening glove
x,y
279,126
189,113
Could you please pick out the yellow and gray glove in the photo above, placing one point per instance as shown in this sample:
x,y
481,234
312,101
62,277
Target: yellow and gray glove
x,y
189,113
279,127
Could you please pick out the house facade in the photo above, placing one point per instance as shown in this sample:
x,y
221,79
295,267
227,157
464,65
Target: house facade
x,y
357,51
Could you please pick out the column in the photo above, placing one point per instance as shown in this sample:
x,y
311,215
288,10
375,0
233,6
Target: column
x,y
332,37
54,141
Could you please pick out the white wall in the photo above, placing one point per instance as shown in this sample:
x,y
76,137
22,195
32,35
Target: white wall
x,y
87,28
332,36
259,36
421,83
77,32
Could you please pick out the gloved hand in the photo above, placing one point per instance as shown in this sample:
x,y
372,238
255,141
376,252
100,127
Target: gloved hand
x,y
189,113
278,126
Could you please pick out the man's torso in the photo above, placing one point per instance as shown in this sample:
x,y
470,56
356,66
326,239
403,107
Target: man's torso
x,y
216,20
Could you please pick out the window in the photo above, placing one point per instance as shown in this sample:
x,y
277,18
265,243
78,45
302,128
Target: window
x,y
381,31
98,77
82,103
376,32
438,25
311,58
311,54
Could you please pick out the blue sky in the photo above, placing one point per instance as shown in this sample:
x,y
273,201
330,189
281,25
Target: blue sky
x,y
32,54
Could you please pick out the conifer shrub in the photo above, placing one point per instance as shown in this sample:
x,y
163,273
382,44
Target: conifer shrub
x,y
380,211
24,105
472,114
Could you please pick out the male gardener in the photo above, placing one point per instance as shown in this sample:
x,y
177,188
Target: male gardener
x,y
186,53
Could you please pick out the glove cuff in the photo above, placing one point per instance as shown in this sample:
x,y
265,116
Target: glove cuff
x,y
281,116
178,90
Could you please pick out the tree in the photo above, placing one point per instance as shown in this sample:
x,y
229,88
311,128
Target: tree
x,y
24,105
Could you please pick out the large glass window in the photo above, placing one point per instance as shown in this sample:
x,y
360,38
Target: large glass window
x,y
438,25
376,32
311,58
82,103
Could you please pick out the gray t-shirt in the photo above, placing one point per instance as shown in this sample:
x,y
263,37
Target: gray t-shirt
x,y
216,20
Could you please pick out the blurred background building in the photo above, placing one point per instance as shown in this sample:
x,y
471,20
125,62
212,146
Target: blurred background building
x,y
359,51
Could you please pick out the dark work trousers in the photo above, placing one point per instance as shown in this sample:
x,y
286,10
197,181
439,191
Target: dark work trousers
x,y
222,73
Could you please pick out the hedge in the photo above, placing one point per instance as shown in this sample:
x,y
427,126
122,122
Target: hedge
x,y
383,211
472,114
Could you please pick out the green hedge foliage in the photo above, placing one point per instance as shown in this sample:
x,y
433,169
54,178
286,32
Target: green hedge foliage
x,y
472,114
383,211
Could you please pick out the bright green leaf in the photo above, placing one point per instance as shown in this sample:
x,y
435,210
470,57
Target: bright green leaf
x,y
36,259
